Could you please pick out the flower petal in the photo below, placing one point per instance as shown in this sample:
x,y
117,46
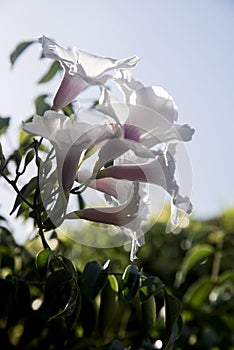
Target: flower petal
x,y
69,88
113,149
173,133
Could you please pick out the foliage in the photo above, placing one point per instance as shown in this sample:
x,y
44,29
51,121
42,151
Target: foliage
x,y
178,295
64,299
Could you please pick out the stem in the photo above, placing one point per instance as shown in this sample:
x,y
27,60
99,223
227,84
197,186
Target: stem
x,y
13,184
36,201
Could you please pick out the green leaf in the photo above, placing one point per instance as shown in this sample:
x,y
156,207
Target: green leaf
x,y
25,191
198,292
113,283
19,50
94,278
40,104
4,124
17,157
29,157
226,277
193,257
56,279
108,309
173,320
68,110
54,68
148,313
131,278
42,261
7,292
68,264
150,286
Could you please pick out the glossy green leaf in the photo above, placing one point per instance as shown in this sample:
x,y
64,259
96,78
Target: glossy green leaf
x,y
25,191
173,320
56,279
71,304
198,292
148,313
94,278
113,283
41,105
4,124
131,278
61,294
19,50
150,286
29,157
68,264
194,256
108,309
42,261
54,68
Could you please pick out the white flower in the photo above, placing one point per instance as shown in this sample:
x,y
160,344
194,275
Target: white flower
x,y
69,139
148,117
81,69
148,114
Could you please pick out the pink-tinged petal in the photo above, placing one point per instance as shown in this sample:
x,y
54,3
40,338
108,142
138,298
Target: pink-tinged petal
x,y
106,185
120,216
70,87
80,70
159,172
69,139
114,148
67,167
172,134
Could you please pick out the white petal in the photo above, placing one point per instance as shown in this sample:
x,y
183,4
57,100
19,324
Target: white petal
x,y
124,79
110,106
157,99
45,126
172,134
95,66
113,149
54,51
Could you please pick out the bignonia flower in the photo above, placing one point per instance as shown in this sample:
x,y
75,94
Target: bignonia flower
x,y
128,207
81,69
69,140
148,116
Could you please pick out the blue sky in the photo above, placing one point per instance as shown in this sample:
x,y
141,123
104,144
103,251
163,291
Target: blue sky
x,y
187,47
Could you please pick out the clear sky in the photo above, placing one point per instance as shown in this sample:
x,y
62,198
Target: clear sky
x,y
187,47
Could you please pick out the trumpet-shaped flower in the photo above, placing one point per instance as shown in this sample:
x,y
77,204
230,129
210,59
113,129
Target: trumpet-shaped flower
x,y
69,139
148,117
81,69
128,212
148,114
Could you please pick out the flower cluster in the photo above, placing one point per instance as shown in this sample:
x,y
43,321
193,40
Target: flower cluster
x,y
135,143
